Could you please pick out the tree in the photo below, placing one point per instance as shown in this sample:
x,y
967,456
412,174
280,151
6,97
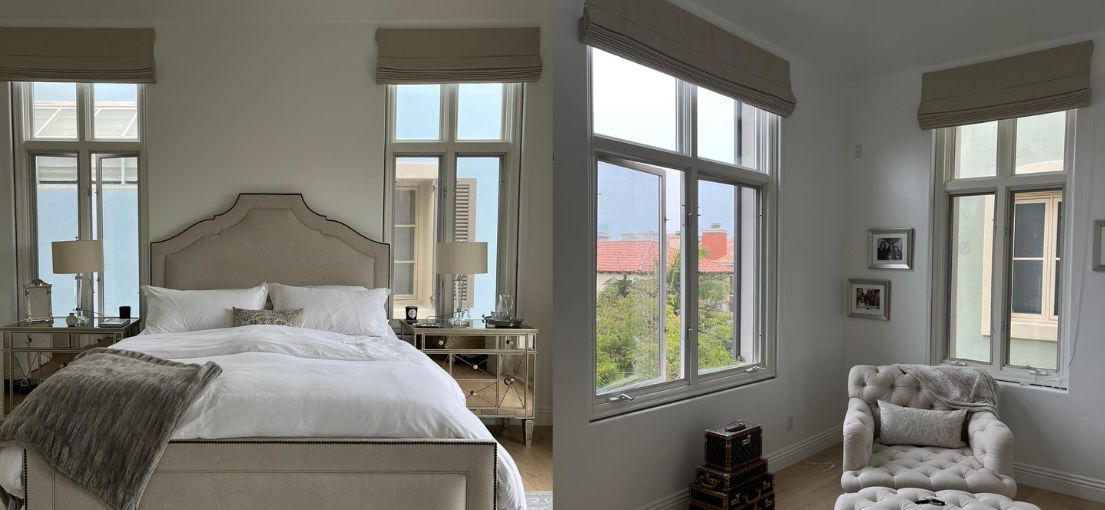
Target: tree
x,y
627,318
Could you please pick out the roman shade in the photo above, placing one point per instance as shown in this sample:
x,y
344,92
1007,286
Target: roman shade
x,y
104,55
463,55
1040,82
660,35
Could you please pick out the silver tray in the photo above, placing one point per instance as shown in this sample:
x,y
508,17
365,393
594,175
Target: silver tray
x,y
497,323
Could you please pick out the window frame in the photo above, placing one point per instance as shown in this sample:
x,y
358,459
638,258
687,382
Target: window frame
x,y
447,150
1004,186
685,159
85,148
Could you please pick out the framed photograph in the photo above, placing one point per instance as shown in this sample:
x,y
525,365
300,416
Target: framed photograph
x,y
869,299
1099,245
890,248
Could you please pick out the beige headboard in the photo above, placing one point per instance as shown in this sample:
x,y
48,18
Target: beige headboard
x,y
268,238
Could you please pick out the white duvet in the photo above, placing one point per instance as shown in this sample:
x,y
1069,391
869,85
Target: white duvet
x,y
280,381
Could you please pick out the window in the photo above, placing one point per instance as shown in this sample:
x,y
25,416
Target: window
x,y
998,274
78,154
684,217
453,152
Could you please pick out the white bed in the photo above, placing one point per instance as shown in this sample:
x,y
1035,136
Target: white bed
x,y
369,422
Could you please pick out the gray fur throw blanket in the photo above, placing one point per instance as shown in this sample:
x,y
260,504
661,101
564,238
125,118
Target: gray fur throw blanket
x,y
105,419
969,388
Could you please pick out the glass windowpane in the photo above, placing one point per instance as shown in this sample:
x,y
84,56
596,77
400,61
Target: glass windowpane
x,y
414,233
55,110
1027,283
119,193
418,112
480,111
971,254
404,279
477,220
1028,230
406,202
1041,143
977,152
638,330
56,219
404,243
726,265
726,129
633,102
115,111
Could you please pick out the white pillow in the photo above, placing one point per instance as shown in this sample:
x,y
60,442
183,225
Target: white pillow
x,y
920,427
175,311
341,309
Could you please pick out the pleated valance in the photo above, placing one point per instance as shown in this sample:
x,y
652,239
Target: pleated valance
x,y
660,35
106,55
458,55
1040,82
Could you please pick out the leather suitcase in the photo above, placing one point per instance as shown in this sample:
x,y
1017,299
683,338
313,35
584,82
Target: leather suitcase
x,y
731,446
728,480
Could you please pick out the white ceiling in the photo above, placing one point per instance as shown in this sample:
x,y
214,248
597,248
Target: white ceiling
x,y
862,38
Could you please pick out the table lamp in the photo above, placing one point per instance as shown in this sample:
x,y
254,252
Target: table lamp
x,y
460,259
77,258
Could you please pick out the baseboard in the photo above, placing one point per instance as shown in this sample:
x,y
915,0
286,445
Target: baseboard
x,y
804,449
543,417
780,459
670,502
1058,481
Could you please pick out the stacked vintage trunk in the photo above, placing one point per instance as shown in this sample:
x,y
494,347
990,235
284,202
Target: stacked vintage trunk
x,y
734,476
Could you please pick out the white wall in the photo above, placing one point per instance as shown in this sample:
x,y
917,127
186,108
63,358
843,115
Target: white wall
x,y
648,458
9,286
281,97
1057,433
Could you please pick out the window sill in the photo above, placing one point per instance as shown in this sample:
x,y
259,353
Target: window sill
x,y
679,391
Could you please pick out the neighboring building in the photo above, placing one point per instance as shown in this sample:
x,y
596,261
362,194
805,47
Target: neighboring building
x,y
636,254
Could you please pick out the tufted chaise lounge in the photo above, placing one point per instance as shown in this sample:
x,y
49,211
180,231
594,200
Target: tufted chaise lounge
x,y
881,498
985,465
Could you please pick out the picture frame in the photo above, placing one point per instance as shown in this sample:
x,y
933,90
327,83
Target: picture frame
x,y
1099,245
890,248
868,299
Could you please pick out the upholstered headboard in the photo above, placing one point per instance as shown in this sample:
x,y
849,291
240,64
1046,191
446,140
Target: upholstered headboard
x,y
268,238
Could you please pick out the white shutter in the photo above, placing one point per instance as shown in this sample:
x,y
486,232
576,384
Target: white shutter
x,y
464,229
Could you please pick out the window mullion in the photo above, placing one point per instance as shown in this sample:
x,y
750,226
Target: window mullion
x,y
689,293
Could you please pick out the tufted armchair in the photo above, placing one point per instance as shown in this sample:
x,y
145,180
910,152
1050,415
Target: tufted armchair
x,y
985,465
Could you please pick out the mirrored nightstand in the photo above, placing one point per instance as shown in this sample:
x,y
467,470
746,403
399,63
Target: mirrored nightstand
x,y
32,351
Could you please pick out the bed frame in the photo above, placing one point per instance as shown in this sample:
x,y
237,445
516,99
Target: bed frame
x,y
278,238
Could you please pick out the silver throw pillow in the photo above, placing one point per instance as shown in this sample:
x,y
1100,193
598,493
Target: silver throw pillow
x,y
244,317
920,427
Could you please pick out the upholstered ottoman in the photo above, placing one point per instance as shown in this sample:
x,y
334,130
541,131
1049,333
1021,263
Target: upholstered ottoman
x,y
882,498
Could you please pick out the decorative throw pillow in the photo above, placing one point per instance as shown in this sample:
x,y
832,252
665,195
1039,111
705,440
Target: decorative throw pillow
x,y
920,427
243,317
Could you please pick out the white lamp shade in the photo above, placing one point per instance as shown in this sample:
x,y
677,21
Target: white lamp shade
x,y
461,258
73,257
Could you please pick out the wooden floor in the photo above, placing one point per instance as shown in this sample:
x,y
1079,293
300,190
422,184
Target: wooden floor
x,y
535,462
803,486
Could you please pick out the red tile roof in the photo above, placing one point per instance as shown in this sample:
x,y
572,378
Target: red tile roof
x,y
638,257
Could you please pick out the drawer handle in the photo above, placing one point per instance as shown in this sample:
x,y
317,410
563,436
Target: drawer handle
x,y
441,343
746,441
510,342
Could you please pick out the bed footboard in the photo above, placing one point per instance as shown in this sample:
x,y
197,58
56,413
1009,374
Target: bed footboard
x,y
297,474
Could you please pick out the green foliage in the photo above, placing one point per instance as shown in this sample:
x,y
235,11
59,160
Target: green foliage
x,y
627,346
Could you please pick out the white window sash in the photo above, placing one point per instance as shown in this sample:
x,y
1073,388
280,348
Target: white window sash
x,y
1003,186
684,159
